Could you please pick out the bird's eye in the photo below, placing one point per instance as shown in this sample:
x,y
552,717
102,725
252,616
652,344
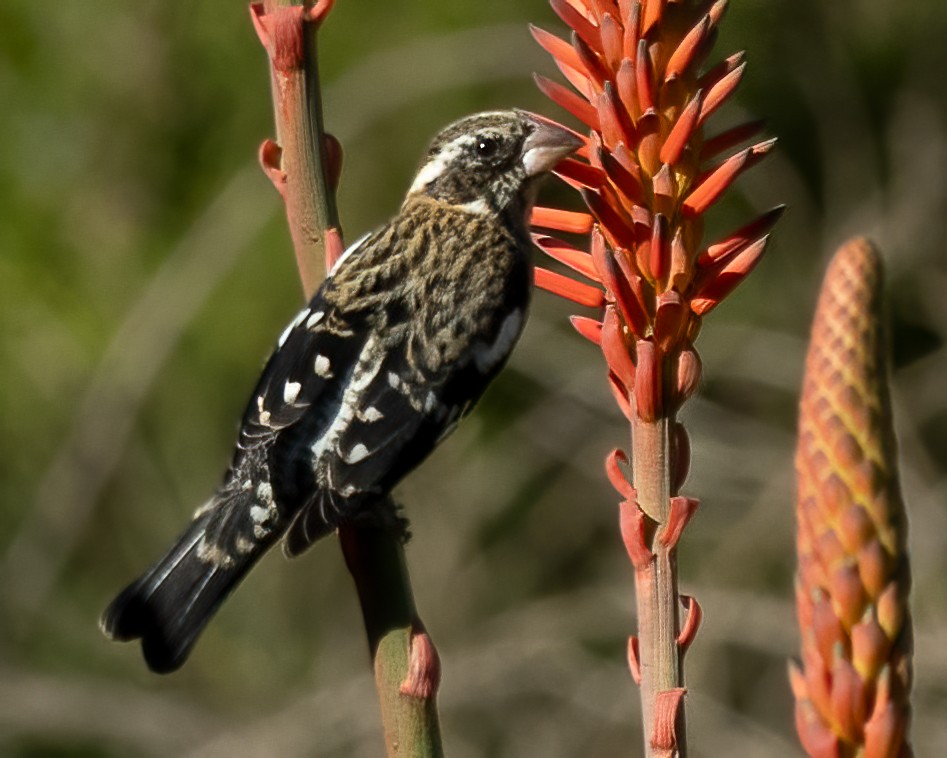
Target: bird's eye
x,y
487,147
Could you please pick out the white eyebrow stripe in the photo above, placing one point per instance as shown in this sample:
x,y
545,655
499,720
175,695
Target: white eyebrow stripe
x,y
439,163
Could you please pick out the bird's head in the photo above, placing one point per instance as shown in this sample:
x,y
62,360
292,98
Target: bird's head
x,y
488,162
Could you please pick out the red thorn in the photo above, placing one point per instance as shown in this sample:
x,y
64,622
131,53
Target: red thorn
x,y
424,667
334,247
664,729
584,28
559,49
644,77
281,33
270,156
686,52
632,522
681,512
563,252
648,400
720,91
634,660
732,137
615,350
740,239
568,100
695,615
562,221
673,147
725,279
588,328
568,288
613,463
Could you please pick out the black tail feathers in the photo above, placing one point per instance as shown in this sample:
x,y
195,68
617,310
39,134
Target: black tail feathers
x,y
169,607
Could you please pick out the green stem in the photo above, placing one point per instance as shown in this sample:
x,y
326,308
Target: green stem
x,y
405,663
656,589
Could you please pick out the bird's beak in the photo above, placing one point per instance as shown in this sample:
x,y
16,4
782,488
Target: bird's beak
x,y
547,144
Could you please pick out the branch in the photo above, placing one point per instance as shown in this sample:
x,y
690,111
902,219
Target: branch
x,y
304,167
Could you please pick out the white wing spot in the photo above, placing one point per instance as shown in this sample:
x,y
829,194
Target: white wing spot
x,y
265,492
430,402
356,454
258,514
394,380
371,413
323,367
314,319
300,317
265,418
259,403
291,392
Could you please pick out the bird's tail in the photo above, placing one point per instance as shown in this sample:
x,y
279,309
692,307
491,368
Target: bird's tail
x,y
170,605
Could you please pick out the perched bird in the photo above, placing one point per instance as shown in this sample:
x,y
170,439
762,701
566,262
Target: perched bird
x,y
399,343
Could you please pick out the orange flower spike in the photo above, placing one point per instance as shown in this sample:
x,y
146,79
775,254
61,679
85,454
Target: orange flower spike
x,y
630,11
682,131
568,100
612,41
592,63
576,21
644,77
730,138
588,328
559,49
718,93
741,238
575,259
571,222
687,51
568,288
653,10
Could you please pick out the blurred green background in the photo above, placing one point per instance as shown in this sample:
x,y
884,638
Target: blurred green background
x,y
145,270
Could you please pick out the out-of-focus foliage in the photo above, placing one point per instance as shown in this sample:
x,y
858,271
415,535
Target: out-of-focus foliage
x,y
145,271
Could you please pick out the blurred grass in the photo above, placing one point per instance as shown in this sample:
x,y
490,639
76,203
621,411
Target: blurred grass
x,y
145,270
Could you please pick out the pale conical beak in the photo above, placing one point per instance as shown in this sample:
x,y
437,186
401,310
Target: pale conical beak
x,y
548,144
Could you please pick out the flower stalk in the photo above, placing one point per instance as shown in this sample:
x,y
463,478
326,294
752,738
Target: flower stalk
x,y
647,175
853,685
304,165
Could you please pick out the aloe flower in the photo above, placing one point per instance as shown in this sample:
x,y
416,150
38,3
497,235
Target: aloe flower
x,y
853,580
647,175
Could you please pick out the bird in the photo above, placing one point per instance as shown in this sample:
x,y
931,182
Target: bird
x,y
401,340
